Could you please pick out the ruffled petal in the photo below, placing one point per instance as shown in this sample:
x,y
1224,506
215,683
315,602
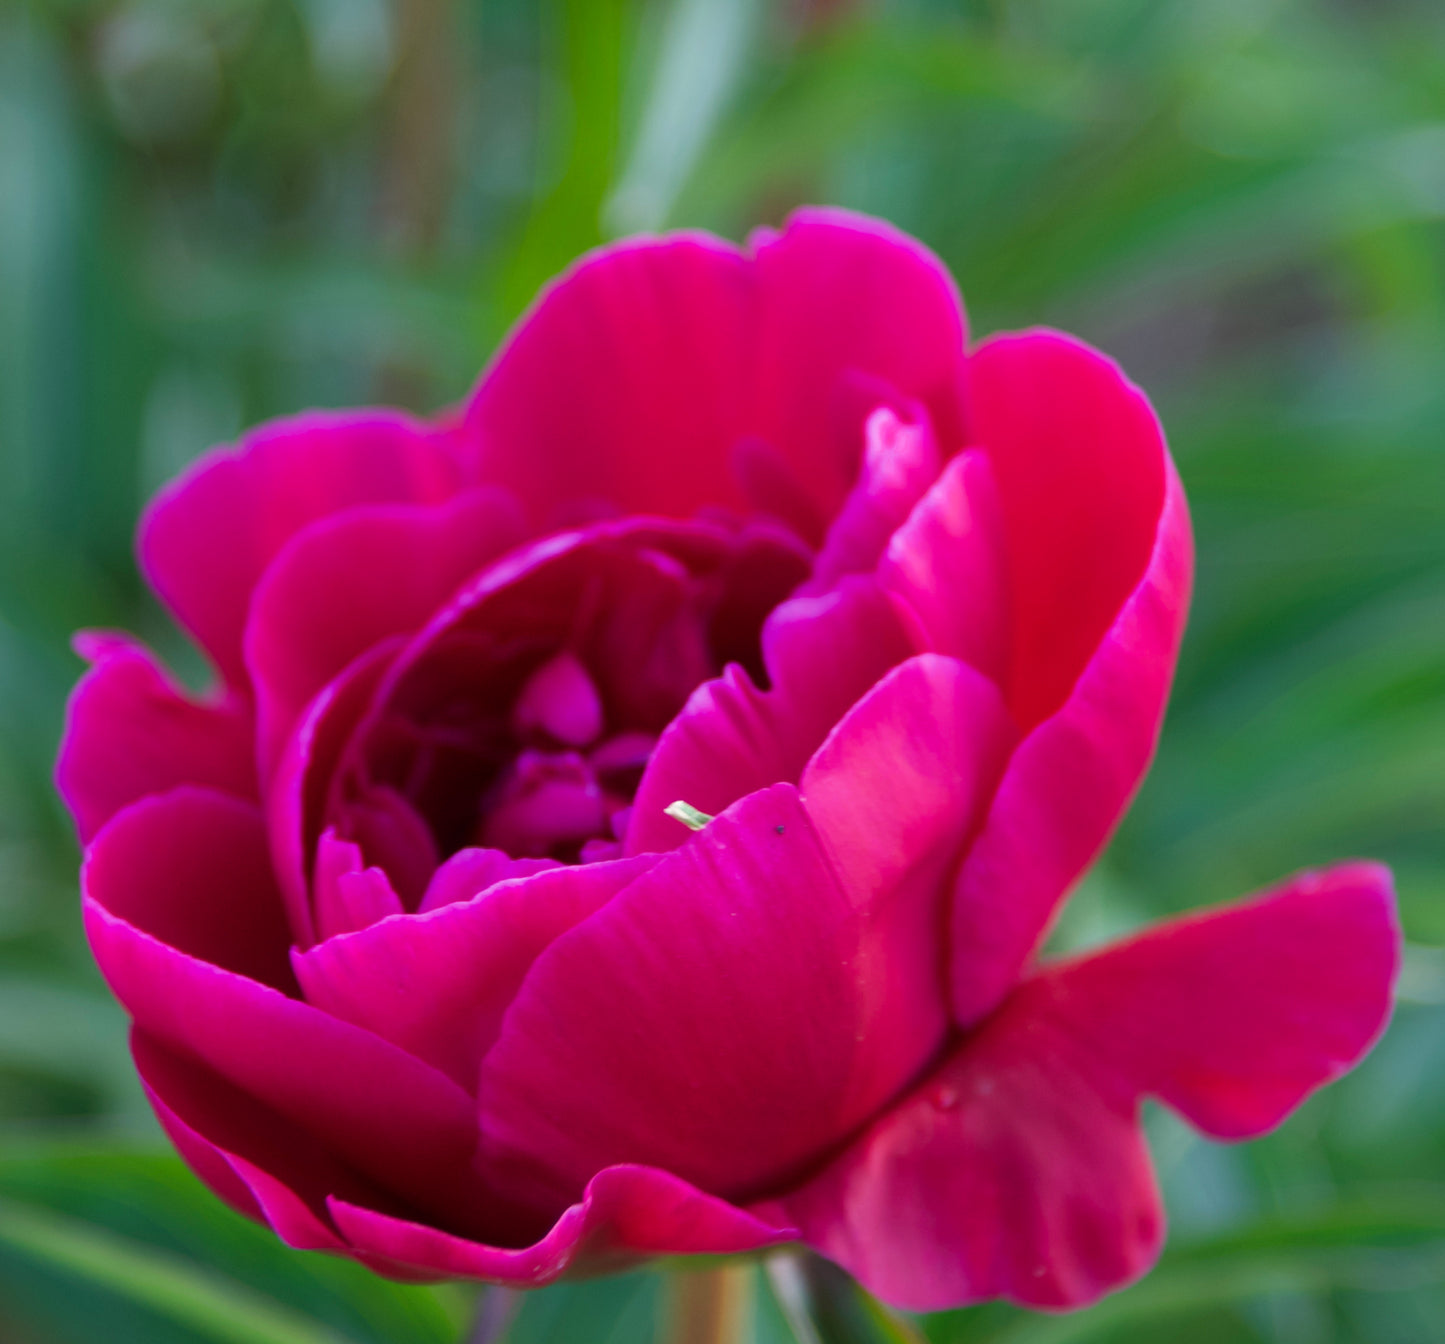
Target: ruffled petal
x,y
900,462
352,580
131,732
437,984
162,870
627,1214
822,654
676,351
1073,775
742,966
207,539
1019,1169
346,895
1233,1016
948,564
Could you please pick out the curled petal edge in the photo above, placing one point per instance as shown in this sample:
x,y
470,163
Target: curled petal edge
x,y
627,1215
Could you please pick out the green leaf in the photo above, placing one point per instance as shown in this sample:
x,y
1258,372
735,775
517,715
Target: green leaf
x,y
619,1310
209,1305
152,1202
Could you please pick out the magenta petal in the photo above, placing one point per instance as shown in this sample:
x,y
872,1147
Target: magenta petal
x,y
131,732
725,744
1085,484
947,563
208,538
1050,409
384,1112
822,654
351,580
210,1162
628,1214
561,700
896,788
469,872
651,342
849,300
739,967
900,462
296,802
1233,1016
190,868
262,1165
1069,782
346,894
1018,1170
673,351
437,984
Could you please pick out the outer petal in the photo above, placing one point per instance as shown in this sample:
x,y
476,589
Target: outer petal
x,y
437,984
845,294
1083,478
1073,775
351,580
672,351
1019,1170
207,539
190,868
262,1165
742,967
1234,1016
131,732
650,340
163,870
627,1214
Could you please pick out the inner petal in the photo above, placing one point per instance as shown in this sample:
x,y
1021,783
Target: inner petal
x,y
560,701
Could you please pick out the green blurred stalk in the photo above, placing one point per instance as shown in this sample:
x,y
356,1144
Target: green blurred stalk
x,y
710,1306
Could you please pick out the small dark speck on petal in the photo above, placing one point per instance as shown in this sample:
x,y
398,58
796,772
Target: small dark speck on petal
x,y
779,829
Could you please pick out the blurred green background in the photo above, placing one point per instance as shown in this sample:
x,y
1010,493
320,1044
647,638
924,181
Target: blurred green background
x,y
215,211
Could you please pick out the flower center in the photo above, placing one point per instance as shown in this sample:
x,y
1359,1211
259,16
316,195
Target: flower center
x,y
523,717
566,793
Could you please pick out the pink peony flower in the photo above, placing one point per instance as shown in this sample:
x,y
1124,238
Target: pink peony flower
x,y
423,965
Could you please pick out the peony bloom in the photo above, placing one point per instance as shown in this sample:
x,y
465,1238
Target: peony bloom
x,y
425,969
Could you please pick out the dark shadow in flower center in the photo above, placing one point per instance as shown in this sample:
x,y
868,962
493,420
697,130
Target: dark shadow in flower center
x,y
522,717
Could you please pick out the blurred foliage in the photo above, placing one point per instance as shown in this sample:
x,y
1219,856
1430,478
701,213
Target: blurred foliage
x,y
214,211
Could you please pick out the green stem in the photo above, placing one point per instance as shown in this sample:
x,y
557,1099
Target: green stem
x,y
710,1306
